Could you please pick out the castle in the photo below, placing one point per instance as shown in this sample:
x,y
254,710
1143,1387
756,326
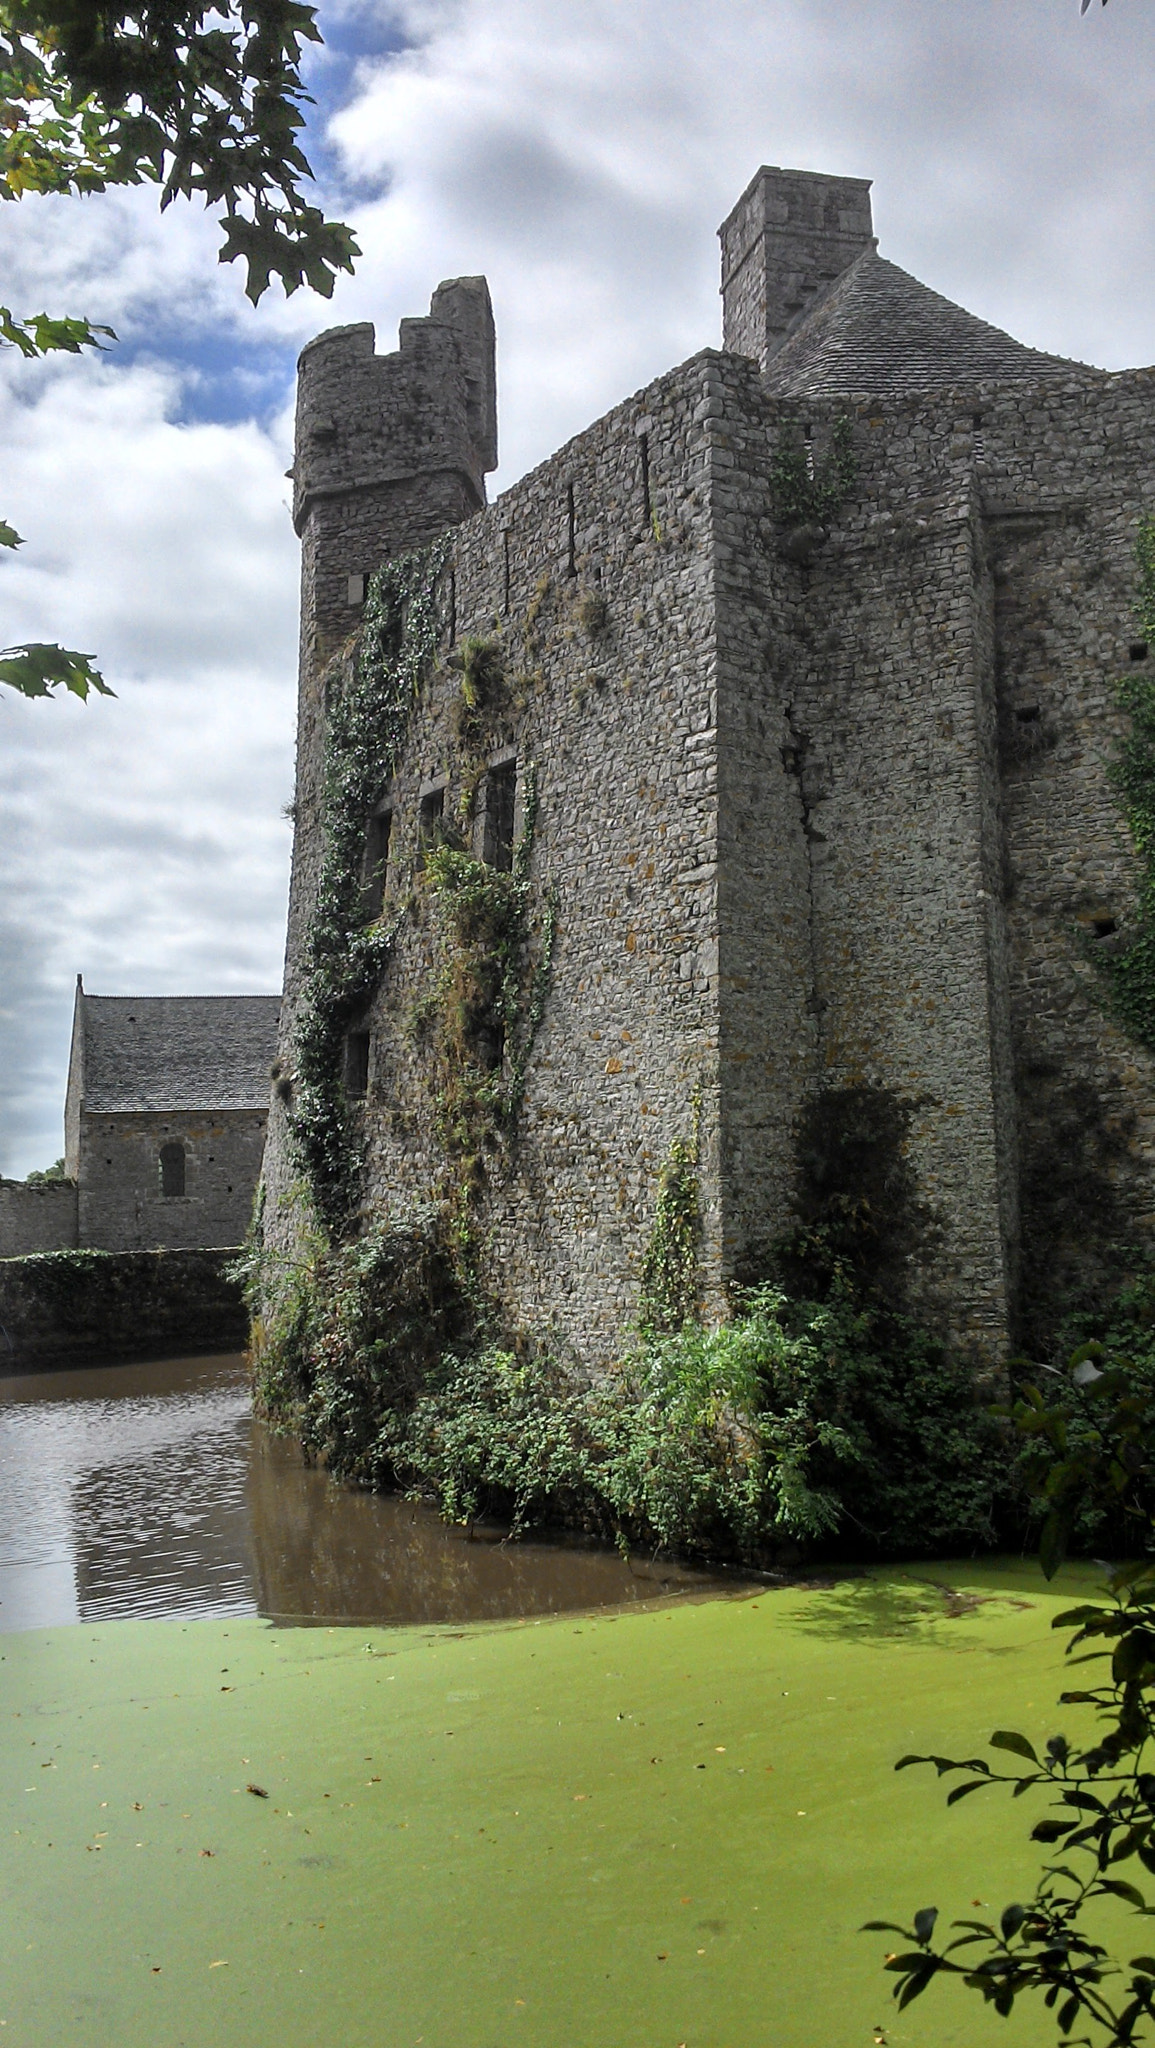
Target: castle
x,y
787,693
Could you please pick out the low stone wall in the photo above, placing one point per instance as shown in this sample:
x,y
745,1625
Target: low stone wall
x,y
90,1308
40,1218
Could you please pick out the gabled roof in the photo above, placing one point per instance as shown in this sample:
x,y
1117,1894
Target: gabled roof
x,y
878,332
176,1052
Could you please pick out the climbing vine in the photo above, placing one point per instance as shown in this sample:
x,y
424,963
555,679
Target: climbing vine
x,y
489,1002
1130,972
670,1261
345,955
807,492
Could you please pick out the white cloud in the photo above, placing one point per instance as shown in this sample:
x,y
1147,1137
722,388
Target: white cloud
x,y
581,156
143,842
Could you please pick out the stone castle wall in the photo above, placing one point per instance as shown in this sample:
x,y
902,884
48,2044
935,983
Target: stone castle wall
x,y
818,816
619,720
70,1308
40,1218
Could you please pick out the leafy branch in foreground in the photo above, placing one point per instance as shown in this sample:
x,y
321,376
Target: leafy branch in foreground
x,y
199,99
37,667
1102,1813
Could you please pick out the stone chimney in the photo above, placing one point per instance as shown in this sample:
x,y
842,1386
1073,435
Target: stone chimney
x,y
790,236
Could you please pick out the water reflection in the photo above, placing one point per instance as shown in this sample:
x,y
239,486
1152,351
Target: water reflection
x,y
150,1490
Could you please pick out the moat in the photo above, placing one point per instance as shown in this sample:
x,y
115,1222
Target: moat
x,y
151,1490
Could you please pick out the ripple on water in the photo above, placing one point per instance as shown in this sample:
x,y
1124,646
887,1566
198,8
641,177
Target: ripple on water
x,y
149,1490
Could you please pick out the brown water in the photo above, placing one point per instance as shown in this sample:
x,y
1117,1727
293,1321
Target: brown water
x,y
139,1490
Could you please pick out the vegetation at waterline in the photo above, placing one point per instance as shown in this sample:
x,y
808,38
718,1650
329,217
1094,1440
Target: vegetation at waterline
x,y
798,1423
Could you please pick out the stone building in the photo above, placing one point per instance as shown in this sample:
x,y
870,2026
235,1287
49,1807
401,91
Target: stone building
x,y
165,1115
811,653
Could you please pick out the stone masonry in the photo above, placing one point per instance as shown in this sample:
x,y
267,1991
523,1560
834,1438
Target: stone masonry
x,y
826,803
164,1119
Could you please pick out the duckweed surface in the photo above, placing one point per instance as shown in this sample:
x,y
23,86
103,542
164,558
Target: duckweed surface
x,y
617,1831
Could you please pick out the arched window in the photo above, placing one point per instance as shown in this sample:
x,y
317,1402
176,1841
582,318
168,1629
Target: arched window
x,y
172,1169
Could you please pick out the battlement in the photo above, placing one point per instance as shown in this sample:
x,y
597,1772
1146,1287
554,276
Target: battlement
x,y
390,449
365,419
789,238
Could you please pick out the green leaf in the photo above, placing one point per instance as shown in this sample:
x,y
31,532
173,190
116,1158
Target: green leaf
x,y
924,1923
918,1980
9,538
975,1785
1069,2013
1120,1890
1006,1738
1052,1544
1011,1920
36,669
1078,1617
1051,1830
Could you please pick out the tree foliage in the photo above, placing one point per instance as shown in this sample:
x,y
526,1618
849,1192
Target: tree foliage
x,y
1091,1452
204,101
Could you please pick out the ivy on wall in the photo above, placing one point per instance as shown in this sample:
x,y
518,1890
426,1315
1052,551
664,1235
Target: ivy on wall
x,y
669,1296
1130,972
489,1002
344,956
807,491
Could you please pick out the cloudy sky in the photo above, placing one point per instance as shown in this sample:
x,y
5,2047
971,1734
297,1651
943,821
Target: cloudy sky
x,y
582,157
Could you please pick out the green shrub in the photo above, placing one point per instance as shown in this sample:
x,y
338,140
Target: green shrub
x,y
349,1335
819,1426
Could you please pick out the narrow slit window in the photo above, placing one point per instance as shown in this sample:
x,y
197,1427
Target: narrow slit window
x,y
357,1064
500,796
571,532
647,503
172,1170
505,571
376,864
430,813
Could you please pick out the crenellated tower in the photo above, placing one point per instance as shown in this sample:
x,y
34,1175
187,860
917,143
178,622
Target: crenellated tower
x,y
390,449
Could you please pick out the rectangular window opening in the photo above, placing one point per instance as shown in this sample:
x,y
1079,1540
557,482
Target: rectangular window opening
x,y
1027,714
355,590
172,1170
1138,650
430,812
357,1064
375,864
500,797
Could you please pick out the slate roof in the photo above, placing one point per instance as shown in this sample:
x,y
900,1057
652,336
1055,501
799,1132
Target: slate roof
x,y
879,333
177,1052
